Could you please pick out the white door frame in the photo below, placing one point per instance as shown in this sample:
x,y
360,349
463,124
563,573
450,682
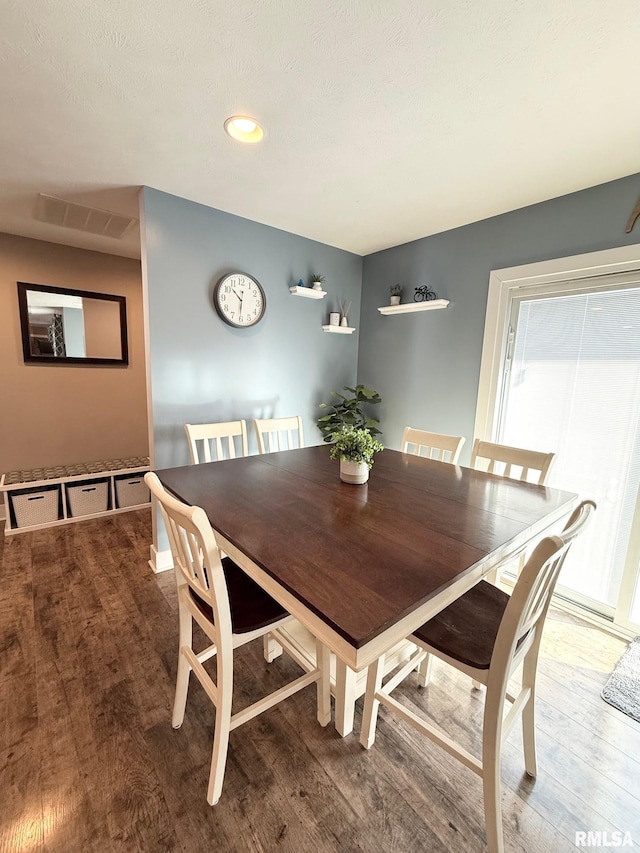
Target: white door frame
x,y
504,284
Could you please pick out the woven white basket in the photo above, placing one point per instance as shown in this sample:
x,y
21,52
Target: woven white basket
x,y
131,491
37,507
88,498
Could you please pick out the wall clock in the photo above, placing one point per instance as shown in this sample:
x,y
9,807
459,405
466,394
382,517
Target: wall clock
x,y
240,300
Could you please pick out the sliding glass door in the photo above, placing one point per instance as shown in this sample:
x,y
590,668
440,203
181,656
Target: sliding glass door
x,y
571,384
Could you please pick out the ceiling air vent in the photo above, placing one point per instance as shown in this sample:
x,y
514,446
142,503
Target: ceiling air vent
x,y
68,214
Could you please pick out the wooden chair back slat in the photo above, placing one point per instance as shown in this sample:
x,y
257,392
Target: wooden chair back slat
x,y
534,466
210,434
278,433
438,446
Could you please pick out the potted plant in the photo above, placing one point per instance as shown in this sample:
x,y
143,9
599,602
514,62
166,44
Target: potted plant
x,y
396,294
355,448
349,411
317,281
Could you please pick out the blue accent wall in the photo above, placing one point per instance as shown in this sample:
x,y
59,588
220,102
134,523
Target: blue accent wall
x,y
426,366
202,369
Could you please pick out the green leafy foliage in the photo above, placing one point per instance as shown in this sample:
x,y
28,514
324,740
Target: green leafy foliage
x,y
355,445
349,412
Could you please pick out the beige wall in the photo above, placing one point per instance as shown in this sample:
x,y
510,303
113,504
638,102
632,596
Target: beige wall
x,y
53,415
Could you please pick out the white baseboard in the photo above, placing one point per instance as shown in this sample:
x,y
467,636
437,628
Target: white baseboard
x,y
161,561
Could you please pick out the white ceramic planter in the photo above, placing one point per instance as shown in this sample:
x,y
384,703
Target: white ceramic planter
x,y
317,285
394,300
356,473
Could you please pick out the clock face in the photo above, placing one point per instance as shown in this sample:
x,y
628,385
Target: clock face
x,y
240,300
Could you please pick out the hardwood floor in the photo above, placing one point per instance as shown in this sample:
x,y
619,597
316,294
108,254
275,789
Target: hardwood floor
x,y
89,761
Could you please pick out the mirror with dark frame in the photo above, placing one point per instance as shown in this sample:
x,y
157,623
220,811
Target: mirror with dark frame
x,y
64,326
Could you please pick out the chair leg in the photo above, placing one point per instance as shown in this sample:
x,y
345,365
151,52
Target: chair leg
x,y
224,681
184,670
493,576
219,757
323,685
424,670
271,648
521,562
371,704
492,787
528,716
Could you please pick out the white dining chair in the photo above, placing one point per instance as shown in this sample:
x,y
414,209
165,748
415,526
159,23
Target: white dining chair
x,y
232,610
278,433
529,466
516,463
487,635
221,436
432,445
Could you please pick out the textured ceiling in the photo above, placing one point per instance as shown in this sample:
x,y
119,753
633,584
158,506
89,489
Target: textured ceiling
x,y
385,121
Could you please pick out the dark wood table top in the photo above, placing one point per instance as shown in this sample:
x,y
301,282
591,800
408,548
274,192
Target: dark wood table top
x,y
362,558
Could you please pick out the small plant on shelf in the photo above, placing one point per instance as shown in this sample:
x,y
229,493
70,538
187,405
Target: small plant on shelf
x,y
355,445
395,292
317,280
349,412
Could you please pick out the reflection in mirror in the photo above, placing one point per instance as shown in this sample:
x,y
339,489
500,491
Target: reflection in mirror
x,y
61,325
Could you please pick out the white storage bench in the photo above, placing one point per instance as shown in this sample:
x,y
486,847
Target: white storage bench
x,y
49,496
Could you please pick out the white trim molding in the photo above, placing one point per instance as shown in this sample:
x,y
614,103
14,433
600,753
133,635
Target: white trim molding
x,y
502,285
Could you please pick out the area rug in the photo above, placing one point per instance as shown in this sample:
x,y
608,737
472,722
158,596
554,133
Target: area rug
x,y
622,690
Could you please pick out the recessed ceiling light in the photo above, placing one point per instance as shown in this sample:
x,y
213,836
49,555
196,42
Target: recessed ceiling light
x,y
244,129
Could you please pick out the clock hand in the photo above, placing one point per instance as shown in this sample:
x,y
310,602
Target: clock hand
x,y
238,295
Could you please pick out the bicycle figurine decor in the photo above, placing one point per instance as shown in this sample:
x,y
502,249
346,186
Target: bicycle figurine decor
x,y
424,294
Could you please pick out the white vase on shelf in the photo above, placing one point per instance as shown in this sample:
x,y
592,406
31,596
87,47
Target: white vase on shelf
x,y
394,300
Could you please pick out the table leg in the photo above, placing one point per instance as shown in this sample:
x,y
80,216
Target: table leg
x,y
323,658
345,698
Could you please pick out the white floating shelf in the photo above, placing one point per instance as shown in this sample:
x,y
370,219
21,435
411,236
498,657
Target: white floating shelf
x,y
309,292
339,330
408,307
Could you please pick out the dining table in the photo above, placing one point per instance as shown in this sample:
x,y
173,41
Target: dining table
x,y
363,566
